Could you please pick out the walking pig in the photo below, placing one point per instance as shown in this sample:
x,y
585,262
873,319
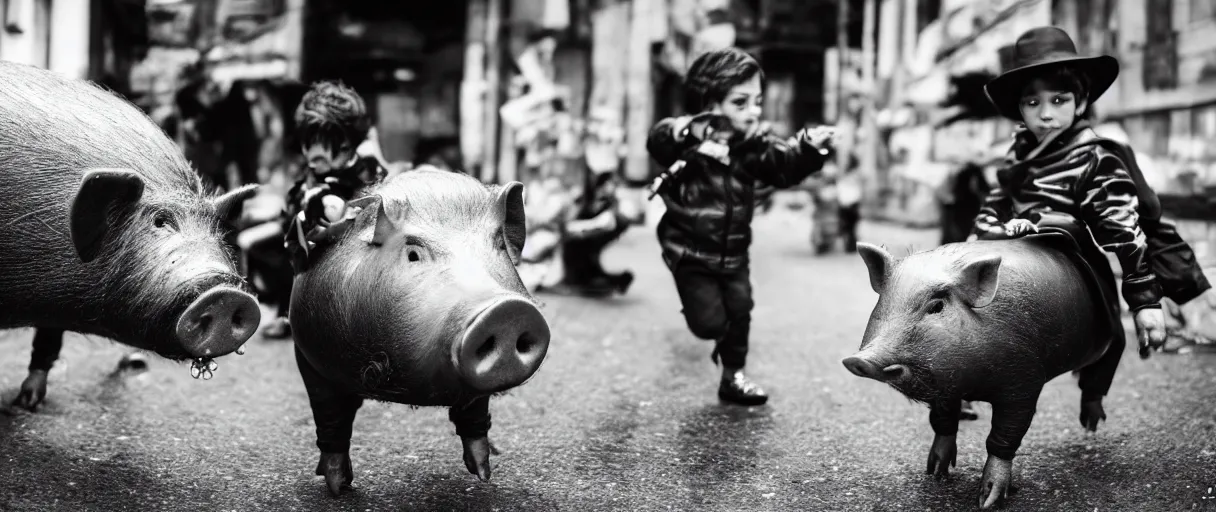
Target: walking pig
x,y
413,298
108,231
991,321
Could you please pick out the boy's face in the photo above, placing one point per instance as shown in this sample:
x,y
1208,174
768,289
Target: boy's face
x,y
321,159
1046,110
743,104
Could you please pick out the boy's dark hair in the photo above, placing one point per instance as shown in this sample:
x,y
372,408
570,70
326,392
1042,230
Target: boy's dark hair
x,y
1064,78
332,115
713,75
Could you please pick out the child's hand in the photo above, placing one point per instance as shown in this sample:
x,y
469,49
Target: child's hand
x,y
821,137
334,207
1019,227
1150,330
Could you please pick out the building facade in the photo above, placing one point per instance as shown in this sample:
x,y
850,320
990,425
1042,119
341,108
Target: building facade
x,y
1164,102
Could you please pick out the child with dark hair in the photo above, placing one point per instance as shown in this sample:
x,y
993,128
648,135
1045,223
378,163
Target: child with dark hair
x,y
332,124
1059,172
714,161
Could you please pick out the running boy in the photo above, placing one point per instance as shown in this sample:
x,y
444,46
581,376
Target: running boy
x,y
715,159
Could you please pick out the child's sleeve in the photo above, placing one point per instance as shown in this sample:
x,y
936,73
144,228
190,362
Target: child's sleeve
x,y
996,211
668,140
780,163
1108,207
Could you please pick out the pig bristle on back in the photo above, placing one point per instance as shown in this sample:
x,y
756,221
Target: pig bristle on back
x,y
48,120
436,197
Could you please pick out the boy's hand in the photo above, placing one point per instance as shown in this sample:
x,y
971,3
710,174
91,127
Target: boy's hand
x,y
1019,227
705,126
333,207
1150,330
821,137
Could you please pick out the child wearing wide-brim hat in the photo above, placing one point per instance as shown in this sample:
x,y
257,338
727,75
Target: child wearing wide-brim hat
x,y
1060,173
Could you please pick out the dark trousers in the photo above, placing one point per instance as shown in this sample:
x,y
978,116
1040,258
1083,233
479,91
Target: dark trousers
x,y
850,216
717,306
269,259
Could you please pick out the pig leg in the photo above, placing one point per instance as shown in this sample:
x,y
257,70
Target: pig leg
x,y
943,417
333,411
1095,382
1010,422
473,426
47,343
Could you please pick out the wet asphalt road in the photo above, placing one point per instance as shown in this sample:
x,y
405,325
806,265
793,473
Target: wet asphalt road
x,y
623,416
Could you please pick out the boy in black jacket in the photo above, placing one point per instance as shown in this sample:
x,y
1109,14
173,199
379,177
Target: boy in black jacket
x,y
714,160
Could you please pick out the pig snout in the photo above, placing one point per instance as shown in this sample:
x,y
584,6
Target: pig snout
x,y
218,322
863,367
503,346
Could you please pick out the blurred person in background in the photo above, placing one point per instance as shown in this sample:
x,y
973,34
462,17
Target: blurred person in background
x,y
594,223
825,209
848,196
959,200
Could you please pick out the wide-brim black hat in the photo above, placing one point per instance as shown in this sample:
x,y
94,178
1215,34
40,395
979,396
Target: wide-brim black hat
x,y
1043,47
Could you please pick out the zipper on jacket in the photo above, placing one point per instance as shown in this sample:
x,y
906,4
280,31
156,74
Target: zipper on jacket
x,y
729,213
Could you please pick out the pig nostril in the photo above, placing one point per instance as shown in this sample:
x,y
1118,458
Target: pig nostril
x,y
237,319
204,322
525,344
486,348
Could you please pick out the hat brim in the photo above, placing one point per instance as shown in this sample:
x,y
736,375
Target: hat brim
x,y
1005,91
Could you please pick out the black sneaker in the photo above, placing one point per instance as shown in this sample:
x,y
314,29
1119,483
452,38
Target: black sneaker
x,y
622,281
741,390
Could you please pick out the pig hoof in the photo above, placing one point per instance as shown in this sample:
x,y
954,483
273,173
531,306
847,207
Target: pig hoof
x,y
33,390
942,456
477,456
995,484
1091,413
337,470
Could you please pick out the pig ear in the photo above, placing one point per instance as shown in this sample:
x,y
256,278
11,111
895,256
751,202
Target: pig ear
x,y
979,279
230,205
374,224
514,223
102,191
878,261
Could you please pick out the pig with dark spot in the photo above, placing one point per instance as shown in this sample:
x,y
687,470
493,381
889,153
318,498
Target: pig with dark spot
x,y
413,297
991,321
108,230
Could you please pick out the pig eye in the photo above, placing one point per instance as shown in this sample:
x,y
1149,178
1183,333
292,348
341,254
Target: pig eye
x,y
163,220
936,306
415,253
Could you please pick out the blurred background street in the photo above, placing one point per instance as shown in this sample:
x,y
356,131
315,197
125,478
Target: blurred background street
x,y
621,417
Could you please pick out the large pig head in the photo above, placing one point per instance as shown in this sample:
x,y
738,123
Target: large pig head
x,y
167,282
424,289
923,334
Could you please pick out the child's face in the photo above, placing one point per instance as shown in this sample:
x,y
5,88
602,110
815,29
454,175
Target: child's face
x,y
743,104
1046,110
321,159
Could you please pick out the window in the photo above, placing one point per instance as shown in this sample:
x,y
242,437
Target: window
x,y
1202,10
1160,48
